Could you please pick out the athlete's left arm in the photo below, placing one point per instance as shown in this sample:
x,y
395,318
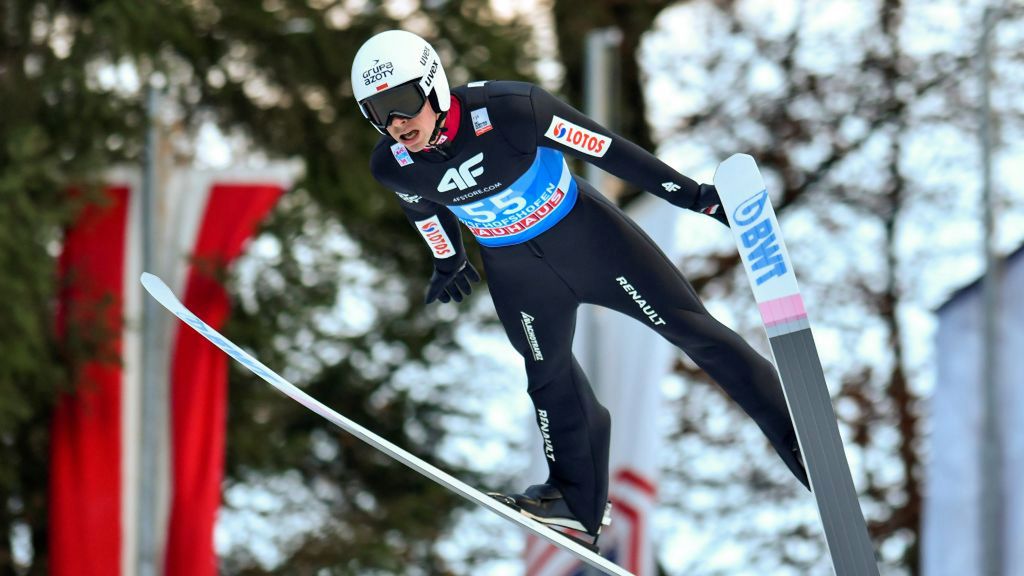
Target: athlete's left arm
x,y
562,127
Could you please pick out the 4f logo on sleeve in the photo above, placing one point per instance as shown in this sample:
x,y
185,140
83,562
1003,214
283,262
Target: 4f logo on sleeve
x,y
410,198
436,238
578,138
464,177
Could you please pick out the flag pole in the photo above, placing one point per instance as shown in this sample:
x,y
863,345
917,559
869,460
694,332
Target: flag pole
x,y
991,471
146,560
599,96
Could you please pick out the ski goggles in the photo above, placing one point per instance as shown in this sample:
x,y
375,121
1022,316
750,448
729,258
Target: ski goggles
x,y
402,101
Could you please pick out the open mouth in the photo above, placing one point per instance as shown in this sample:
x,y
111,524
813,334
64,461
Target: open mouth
x,y
409,136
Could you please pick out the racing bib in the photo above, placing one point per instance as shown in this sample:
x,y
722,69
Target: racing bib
x,y
534,203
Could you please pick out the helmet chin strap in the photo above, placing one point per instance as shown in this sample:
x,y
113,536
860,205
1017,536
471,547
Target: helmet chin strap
x,y
438,125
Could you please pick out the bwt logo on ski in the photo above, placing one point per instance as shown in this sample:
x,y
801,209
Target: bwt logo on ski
x,y
757,235
577,137
378,72
228,347
436,238
464,177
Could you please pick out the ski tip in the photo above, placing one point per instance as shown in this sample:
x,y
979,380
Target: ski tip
x,y
736,179
150,280
158,289
737,160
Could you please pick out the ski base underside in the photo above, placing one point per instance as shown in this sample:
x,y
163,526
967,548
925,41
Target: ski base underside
x,y
834,492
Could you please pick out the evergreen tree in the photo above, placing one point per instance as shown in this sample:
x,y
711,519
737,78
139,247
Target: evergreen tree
x,y
277,74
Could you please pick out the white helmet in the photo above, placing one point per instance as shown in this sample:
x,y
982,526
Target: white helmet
x,y
394,73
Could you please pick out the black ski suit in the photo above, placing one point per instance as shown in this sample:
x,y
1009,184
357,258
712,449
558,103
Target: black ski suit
x,y
550,242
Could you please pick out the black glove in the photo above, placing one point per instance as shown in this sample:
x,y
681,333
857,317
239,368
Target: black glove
x,y
454,285
708,202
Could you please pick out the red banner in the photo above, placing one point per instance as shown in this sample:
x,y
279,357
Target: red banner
x,y
85,458
96,430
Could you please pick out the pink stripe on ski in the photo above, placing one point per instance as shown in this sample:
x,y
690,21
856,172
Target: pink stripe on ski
x,y
781,310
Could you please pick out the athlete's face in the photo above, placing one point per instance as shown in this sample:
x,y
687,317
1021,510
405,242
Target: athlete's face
x,y
414,132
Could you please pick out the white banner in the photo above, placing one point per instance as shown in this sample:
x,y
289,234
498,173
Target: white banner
x,y
952,528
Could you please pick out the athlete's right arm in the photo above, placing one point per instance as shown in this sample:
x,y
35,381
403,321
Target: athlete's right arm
x,y
435,223
439,228
453,273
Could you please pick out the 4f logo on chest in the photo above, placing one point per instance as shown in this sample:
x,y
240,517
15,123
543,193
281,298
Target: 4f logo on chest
x,y
464,177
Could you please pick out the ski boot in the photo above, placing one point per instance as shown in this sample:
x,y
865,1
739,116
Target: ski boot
x,y
544,503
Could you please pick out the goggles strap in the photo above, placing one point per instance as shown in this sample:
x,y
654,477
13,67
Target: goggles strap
x,y
437,128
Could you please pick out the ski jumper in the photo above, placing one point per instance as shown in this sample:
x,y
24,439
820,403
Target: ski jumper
x,y
549,242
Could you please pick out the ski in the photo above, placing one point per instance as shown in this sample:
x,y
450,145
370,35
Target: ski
x,y
770,271
159,290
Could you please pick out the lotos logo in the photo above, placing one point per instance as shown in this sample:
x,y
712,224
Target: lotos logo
x,y
436,238
464,177
231,348
757,235
577,137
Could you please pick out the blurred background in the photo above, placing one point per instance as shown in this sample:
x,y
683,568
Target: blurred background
x,y
216,142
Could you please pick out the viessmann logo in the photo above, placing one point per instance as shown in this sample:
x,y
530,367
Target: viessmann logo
x,y
577,137
436,237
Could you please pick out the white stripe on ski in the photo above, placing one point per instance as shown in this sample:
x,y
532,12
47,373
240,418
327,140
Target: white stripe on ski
x,y
156,287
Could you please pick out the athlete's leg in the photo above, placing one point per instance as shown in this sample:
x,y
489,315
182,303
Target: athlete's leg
x,y
538,312
623,269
